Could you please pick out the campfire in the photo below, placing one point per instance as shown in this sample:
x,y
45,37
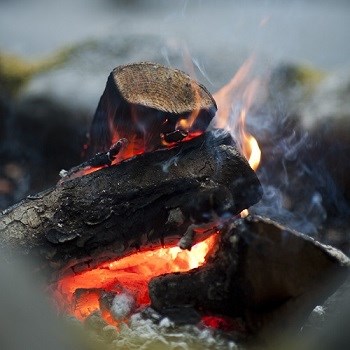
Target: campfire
x,y
118,117
158,214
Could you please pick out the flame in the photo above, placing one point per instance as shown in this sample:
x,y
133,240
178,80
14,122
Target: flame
x,y
80,294
253,151
234,101
186,123
234,98
249,144
225,96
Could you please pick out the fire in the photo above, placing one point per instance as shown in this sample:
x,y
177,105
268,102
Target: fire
x,y
80,294
186,124
254,151
83,293
234,101
226,95
249,144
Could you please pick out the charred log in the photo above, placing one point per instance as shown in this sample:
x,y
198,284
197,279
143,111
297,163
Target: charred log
x,y
147,104
138,204
261,272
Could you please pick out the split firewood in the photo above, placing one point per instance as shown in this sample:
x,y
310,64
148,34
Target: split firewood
x,y
138,204
261,272
151,106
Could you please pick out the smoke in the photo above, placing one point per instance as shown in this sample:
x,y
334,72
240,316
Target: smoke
x,y
298,180
299,188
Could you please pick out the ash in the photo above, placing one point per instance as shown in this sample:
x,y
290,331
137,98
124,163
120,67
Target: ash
x,y
142,333
122,306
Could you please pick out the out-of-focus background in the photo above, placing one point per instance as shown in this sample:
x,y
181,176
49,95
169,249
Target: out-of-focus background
x,y
308,31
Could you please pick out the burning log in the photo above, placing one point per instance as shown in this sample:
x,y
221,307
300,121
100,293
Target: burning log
x,y
151,106
266,274
144,202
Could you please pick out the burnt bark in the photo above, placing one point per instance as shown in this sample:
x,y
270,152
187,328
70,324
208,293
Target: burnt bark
x,y
144,103
261,272
138,204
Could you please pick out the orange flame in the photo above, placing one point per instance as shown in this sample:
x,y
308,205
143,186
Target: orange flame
x,y
226,95
239,92
79,294
134,272
249,144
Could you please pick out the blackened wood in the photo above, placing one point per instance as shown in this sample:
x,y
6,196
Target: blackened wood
x,y
144,102
138,204
264,273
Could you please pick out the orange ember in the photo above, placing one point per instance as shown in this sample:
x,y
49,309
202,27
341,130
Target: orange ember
x,y
83,293
80,294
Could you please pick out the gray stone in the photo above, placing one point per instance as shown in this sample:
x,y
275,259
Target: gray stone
x,y
329,108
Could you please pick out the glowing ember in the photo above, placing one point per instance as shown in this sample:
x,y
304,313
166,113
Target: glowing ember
x,y
223,323
81,294
186,123
128,277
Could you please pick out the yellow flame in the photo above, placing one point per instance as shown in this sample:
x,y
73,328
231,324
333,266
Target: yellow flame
x,y
249,144
255,152
240,92
244,213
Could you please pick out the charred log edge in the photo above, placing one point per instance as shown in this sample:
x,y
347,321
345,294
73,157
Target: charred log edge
x,y
212,138
224,268
42,237
332,253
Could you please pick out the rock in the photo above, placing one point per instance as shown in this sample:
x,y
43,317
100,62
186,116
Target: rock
x,y
329,107
327,326
326,116
266,274
290,84
41,138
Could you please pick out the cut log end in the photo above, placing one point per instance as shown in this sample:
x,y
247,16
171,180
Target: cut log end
x,y
149,104
161,88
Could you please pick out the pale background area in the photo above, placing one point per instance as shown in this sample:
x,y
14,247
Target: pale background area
x,y
315,32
